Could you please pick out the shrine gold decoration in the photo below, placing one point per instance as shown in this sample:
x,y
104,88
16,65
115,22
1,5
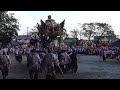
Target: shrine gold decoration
x,y
104,41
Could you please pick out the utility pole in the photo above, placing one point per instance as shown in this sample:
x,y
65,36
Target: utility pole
x,y
27,30
119,35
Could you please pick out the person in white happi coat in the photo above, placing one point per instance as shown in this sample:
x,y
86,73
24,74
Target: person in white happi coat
x,y
65,61
55,54
5,64
113,55
73,57
1,53
16,50
48,63
42,54
34,62
18,55
104,55
12,50
118,58
5,50
108,53
28,51
38,46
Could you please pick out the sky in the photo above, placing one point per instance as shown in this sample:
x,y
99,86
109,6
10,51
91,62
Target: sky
x,y
72,18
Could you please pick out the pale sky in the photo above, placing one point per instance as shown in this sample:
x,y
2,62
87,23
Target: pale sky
x,y
72,18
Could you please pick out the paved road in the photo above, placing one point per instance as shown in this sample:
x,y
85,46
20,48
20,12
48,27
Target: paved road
x,y
90,67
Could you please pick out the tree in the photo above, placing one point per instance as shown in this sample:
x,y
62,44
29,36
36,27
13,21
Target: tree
x,y
65,34
74,34
88,30
33,31
80,31
104,29
110,33
9,26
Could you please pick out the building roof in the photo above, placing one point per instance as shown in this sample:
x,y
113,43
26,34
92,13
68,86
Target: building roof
x,y
70,39
112,38
23,37
116,43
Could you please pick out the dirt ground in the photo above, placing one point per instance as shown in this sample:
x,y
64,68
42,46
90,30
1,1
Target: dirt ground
x,y
89,67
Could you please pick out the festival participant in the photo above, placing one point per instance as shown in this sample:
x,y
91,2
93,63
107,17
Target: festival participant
x,y
5,64
12,50
74,65
113,54
18,54
34,62
108,54
42,54
65,61
104,55
57,68
48,65
5,50
100,53
119,54
28,50
1,51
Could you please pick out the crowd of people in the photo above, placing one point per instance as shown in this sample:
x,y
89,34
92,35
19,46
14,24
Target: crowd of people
x,y
105,52
51,60
42,57
48,61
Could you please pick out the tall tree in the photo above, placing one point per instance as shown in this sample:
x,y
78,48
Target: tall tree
x,y
74,34
88,30
9,26
80,31
34,30
104,29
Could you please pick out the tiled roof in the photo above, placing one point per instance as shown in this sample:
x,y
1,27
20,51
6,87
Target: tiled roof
x,y
112,38
23,37
116,43
70,39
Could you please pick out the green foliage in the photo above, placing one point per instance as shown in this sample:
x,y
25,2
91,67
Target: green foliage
x,y
104,29
74,33
9,26
90,30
